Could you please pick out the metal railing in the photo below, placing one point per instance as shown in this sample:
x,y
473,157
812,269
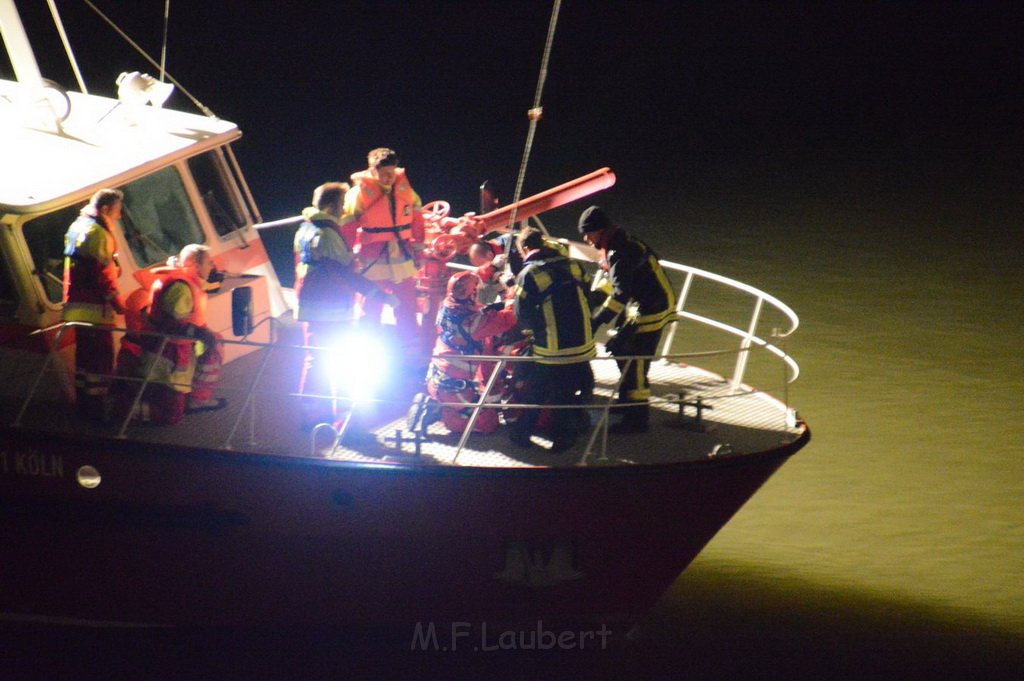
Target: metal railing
x,y
494,393
749,340
748,337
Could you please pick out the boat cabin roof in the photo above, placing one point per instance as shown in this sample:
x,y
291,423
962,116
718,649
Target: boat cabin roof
x,y
102,142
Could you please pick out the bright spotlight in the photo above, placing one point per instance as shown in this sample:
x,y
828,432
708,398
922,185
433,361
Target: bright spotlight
x,y
358,362
142,88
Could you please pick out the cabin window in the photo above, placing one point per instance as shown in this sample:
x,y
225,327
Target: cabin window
x,y
158,217
44,237
219,195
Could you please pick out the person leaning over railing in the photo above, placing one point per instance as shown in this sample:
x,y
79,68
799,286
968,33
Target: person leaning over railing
x,y
551,302
635,276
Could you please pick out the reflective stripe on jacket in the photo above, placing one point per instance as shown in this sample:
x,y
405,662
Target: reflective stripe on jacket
x,y
177,303
325,280
551,301
636,275
91,271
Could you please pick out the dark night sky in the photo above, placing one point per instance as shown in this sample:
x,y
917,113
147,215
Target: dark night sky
x,y
673,96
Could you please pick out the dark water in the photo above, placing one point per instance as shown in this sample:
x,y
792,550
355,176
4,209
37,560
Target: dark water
x,y
860,162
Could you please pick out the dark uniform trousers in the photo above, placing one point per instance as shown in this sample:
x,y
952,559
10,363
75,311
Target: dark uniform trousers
x,y
635,390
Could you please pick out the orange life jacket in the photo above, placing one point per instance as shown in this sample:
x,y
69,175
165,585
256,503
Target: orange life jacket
x,y
176,364
165,276
384,216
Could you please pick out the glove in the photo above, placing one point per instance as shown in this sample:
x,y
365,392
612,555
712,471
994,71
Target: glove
x,y
495,307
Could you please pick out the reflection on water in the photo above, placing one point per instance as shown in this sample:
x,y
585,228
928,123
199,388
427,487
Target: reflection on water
x,y
740,620
724,620
912,382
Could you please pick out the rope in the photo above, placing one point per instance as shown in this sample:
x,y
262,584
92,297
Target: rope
x,y
534,113
163,48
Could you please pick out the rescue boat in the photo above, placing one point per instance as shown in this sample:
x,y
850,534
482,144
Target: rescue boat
x,y
239,517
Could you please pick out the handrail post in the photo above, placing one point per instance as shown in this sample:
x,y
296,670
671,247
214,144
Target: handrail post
x,y
602,423
666,344
744,354
142,388
46,365
479,405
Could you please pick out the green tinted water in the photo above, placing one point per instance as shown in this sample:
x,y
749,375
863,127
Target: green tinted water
x,y
912,317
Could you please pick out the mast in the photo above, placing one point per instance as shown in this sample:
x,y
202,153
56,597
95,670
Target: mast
x,y
38,108
23,59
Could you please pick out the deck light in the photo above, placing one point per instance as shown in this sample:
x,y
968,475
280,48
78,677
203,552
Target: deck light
x,y
357,362
142,88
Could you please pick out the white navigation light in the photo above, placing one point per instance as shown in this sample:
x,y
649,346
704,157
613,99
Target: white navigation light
x,y
142,88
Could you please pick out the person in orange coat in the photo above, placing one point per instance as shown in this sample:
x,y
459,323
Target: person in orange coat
x,y
465,328
183,371
383,218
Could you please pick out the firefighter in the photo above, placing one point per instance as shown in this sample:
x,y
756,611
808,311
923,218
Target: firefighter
x,y
551,302
183,371
326,282
635,276
91,295
382,218
465,328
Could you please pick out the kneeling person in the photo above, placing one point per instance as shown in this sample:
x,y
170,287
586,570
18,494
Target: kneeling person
x,y
182,376
465,328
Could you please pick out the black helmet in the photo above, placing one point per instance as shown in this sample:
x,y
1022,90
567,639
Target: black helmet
x,y
593,219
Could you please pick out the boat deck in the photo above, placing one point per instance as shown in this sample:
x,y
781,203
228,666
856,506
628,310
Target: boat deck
x,y
264,416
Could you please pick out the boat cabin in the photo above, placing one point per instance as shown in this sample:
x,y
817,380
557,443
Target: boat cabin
x,y
181,185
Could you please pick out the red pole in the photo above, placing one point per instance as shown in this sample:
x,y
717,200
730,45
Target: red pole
x,y
497,220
